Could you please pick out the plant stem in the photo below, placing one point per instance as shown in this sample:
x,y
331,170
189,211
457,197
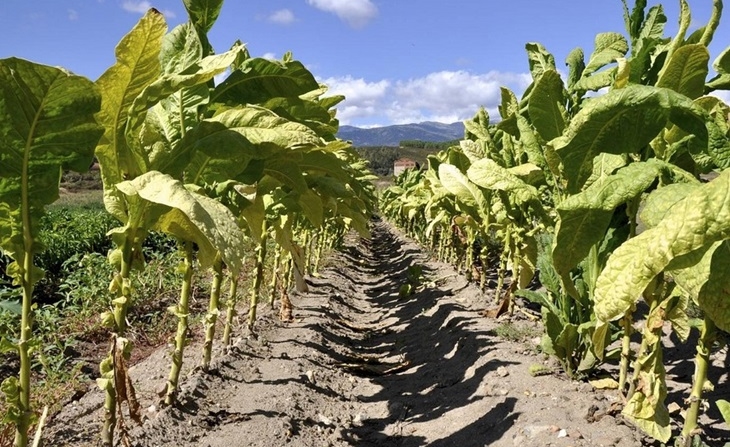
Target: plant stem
x,y
182,325
712,23
275,276
702,361
212,316
121,306
258,278
23,424
230,311
625,351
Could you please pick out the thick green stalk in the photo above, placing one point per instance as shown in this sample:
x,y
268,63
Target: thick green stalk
x,y
121,306
288,275
625,351
702,361
322,241
230,311
182,325
212,316
23,424
258,278
275,275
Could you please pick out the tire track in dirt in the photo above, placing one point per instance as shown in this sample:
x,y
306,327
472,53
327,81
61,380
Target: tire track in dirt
x,y
363,366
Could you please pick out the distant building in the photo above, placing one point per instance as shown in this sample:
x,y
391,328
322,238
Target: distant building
x,y
402,164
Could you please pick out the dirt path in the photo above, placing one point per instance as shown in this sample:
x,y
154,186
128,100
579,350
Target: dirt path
x,y
362,366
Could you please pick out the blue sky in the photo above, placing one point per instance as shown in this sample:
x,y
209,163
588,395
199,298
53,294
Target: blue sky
x,y
397,61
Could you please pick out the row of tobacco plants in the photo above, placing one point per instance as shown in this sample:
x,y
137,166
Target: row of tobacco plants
x,y
213,165
606,196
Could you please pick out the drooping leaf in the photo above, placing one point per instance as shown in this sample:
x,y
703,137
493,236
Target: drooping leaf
x,y
457,183
608,48
259,80
701,218
489,175
584,217
190,217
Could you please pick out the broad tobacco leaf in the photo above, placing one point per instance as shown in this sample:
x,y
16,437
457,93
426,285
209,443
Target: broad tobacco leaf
x,y
696,221
584,217
258,80
623,121
546,106
47,126
686,71
136,67
190,217
489,175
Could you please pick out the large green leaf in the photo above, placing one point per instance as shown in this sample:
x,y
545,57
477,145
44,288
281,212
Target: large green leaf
x,y
576,64
203,14
180,49
608,48
225,144
686,71
137,65
714,295
457,183
584,217
259,80
722,67
701,218
46,125
489,175
547,105
181,107
190,217
623,121
540,59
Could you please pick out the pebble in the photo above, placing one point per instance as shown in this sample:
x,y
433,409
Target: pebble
x,y
563,433
502,371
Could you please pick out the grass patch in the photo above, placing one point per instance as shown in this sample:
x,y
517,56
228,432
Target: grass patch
x,y
516,332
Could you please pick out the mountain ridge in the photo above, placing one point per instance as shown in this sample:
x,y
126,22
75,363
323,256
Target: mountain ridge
x,y
392,135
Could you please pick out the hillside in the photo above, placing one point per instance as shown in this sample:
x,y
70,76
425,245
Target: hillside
x,y
393,135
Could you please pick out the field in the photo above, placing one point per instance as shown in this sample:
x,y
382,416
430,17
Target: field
x,y
190,255
361,365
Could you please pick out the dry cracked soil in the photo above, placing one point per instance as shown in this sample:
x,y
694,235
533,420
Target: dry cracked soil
x,y
362,366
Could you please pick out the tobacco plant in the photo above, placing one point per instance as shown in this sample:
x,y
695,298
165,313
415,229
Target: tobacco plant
x,y
46,126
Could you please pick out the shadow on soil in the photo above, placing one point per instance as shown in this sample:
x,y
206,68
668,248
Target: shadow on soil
x,y
420,350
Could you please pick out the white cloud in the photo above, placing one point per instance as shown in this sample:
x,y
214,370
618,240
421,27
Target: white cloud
x,y
444,96
357,13
282,17
141,7
269,56
73,15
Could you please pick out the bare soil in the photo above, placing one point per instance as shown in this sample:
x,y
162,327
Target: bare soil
x,y
362,366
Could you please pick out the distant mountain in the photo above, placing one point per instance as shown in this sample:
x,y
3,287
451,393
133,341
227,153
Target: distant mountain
x,y
393,135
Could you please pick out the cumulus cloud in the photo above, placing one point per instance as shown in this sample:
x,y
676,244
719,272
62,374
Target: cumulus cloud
x,y
444,96
141,7
282,17
357,13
